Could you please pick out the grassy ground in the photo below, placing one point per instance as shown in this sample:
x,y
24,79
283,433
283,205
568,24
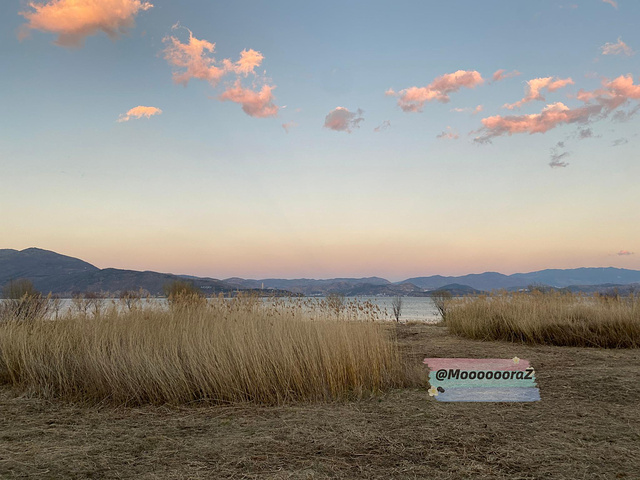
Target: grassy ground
x,y
585,426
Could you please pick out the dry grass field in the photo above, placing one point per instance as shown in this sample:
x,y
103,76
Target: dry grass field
x,y
551,318
586,426
217,350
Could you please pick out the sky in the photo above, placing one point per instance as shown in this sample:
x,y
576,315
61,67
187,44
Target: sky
x,y
322,139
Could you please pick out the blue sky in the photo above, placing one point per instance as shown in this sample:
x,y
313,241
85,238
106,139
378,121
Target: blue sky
x,y
205,188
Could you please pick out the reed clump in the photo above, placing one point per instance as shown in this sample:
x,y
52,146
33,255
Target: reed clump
x,y
551,318
219,351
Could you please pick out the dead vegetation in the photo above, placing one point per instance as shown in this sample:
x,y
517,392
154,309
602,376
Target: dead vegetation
x,y
585,426
552,318
217,350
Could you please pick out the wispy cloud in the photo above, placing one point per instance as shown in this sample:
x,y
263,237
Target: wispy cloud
x,y
449,134
74,20
255,104
534,88
613,3
383,126
618,48
473,111
550,117
139,112
341,119
556,156
288,126
412,99
624,116
624,253
194,59
501,75
619,141
585,133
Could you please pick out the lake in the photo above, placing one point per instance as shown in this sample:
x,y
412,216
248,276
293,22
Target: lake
x,y
413,308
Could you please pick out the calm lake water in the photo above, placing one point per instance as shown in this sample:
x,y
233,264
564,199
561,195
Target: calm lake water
x,y
413,308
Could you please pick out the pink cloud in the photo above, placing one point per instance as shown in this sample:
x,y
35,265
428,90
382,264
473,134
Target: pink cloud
x,y
535,85
341,119
501,75
613,93
618,48
249,60
624,253
139,112
412,99
74,20
550,117
289,125
193,57
599,104
623,86
613,3
255,104
473,111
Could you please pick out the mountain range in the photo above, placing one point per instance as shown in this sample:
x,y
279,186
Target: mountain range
x,y
64,275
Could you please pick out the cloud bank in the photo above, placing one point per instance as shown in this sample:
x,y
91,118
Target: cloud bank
x,y
599,104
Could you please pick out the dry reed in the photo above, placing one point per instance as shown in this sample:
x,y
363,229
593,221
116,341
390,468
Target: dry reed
x,y
551,318
240,350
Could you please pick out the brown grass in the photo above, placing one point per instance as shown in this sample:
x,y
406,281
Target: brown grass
x,y
548,318
585,427
222,351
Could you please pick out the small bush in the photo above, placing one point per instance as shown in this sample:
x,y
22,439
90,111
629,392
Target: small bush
x,y
183,294
23,302
442,300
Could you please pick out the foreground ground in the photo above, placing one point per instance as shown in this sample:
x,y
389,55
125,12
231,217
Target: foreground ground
x,y
585,426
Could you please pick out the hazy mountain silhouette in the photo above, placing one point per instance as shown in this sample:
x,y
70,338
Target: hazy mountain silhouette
x,y
61,274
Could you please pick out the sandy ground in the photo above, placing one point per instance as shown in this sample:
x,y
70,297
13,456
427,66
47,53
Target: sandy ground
x,y
585,427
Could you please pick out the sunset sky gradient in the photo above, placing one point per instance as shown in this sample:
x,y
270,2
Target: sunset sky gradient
x,y
322,139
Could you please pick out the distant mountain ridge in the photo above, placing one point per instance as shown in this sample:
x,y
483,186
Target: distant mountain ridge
x,y
64,275
61,274
558,278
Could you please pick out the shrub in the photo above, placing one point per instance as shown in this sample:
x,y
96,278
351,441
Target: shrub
x,y
442,300
181,293
23,302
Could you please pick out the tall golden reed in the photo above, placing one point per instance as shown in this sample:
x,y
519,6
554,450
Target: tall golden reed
x,y
549,318
222,351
